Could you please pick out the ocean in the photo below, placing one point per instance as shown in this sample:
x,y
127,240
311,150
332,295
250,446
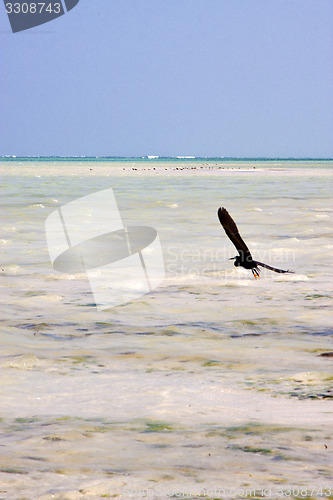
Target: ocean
x,y
213,384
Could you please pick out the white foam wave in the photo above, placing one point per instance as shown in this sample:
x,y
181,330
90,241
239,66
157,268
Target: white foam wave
x,y
36,205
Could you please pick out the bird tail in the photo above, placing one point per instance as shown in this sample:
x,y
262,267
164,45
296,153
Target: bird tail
x,y
272,268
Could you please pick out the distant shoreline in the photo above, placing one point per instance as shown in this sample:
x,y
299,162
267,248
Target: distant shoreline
x,y
153,159
201,167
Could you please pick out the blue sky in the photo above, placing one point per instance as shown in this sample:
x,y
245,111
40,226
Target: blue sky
x,y
171,77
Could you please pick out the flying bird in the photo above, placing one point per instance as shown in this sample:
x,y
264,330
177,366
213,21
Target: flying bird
x,y
244,259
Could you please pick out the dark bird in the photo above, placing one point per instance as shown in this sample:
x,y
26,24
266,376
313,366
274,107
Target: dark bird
x,y
244,259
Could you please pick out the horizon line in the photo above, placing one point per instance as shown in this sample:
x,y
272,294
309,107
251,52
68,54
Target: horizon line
x,y
176,157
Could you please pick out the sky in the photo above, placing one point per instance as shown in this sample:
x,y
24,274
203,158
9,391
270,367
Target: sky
x,y
239,78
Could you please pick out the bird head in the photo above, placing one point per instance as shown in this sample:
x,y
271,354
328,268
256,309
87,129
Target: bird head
x,y
237,260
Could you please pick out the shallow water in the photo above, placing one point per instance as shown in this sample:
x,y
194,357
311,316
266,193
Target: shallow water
x,y
213,380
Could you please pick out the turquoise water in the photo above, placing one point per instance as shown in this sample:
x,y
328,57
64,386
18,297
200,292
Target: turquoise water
x,y
213,380
173,159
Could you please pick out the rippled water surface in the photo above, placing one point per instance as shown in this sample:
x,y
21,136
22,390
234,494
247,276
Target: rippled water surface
x,y
214,380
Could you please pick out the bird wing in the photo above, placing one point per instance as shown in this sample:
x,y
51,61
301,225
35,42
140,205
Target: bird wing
x,y
232,232
273,268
